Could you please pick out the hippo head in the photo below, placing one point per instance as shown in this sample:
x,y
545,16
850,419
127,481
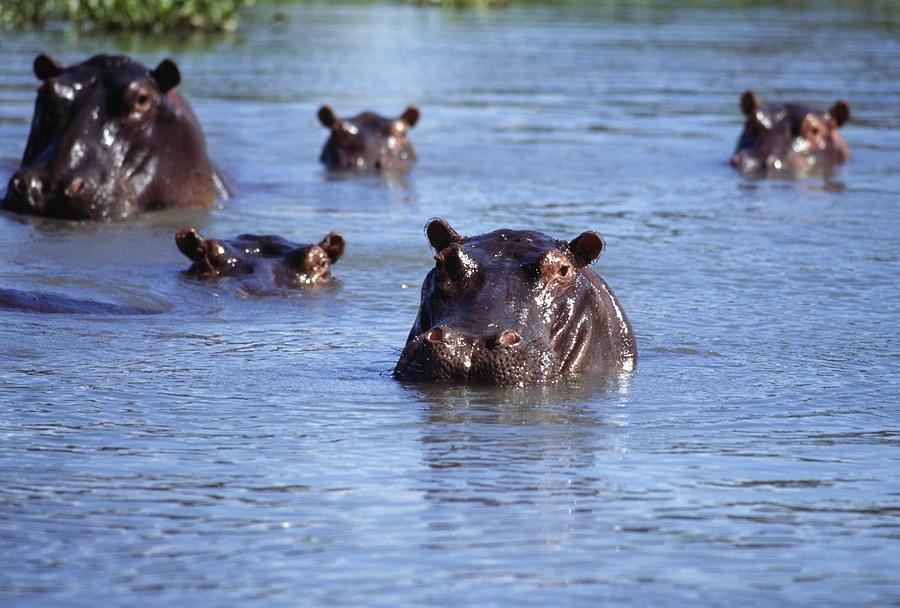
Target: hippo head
x,y
109,138
288,264
790,139
514,307
368,141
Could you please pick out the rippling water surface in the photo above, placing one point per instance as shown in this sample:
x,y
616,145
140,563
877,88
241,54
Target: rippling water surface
x,y
242,450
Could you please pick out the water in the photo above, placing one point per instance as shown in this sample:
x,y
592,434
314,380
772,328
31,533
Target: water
x,y
236,449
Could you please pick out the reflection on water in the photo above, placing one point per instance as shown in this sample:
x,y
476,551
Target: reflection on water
x,y
253,450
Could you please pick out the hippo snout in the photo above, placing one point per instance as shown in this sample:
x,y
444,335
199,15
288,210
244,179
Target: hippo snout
x,y
444,353
26,192
31,191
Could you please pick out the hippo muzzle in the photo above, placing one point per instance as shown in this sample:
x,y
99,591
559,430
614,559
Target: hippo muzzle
x,y
445,354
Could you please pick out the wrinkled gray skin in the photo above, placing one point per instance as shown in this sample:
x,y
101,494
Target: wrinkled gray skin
x,y
514,307
368,142
109,139
790,139
271,260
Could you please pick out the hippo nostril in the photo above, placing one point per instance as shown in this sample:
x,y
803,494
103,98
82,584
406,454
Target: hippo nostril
x,y
18,184
509,338
35,186
28,184
74,187
435,335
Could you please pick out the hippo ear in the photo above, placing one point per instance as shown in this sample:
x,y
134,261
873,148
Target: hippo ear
x,y
440,234
190,243
166,75
586,248
46,67
410,116
840,112
750,103
333,245
327,117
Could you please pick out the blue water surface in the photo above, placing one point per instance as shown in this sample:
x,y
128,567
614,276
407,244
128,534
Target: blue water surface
x,y
244,450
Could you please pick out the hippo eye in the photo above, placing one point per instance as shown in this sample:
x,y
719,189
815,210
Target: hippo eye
x,y
142,102
551,269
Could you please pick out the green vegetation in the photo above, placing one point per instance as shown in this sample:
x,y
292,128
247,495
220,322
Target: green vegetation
x,y
221,15
464,3
130,15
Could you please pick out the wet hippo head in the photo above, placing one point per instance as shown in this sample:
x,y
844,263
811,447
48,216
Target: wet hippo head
x,y
110,138
269,258
514,307
368,141
790,139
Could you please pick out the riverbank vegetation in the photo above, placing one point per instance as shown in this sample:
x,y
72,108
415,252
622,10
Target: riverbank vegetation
x,y
222,15
156,15
128,15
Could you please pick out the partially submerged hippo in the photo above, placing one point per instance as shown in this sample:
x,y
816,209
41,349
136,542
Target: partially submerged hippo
x,y
110,138
790,138
51,303
368,141
272,260
514,307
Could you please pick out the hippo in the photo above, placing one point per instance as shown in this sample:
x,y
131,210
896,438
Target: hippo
x,y
790,139
51,303
368,142
109,139
515,308
270,259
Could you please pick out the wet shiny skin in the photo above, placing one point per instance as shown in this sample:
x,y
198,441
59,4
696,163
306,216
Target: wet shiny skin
x,y
271,261
109,139
513,308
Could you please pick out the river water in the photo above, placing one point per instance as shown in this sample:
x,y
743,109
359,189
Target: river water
x,y
243,450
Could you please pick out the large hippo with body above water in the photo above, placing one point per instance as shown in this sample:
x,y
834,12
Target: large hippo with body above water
x,y
111,138
368,141
272,262
790,139
514,307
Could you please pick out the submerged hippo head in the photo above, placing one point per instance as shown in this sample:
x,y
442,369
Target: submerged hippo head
x,y
368,141
790,138
110,138
270,259
514,307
